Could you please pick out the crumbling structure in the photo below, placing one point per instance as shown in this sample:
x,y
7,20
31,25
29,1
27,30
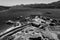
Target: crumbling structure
x,y
33,29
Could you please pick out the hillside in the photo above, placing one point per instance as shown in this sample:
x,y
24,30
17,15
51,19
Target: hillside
x,y
53,5
4,8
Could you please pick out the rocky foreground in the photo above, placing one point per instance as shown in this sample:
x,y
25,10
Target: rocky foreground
x,y
33,27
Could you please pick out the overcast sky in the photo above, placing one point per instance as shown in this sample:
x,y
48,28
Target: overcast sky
x,y
15,2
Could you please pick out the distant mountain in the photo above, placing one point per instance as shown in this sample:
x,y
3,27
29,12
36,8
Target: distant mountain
x,y
4,8
42,5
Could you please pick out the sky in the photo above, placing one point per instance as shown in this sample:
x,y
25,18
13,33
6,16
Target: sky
x,y
18,2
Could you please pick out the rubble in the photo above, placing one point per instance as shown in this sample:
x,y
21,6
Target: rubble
x,y
38,28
